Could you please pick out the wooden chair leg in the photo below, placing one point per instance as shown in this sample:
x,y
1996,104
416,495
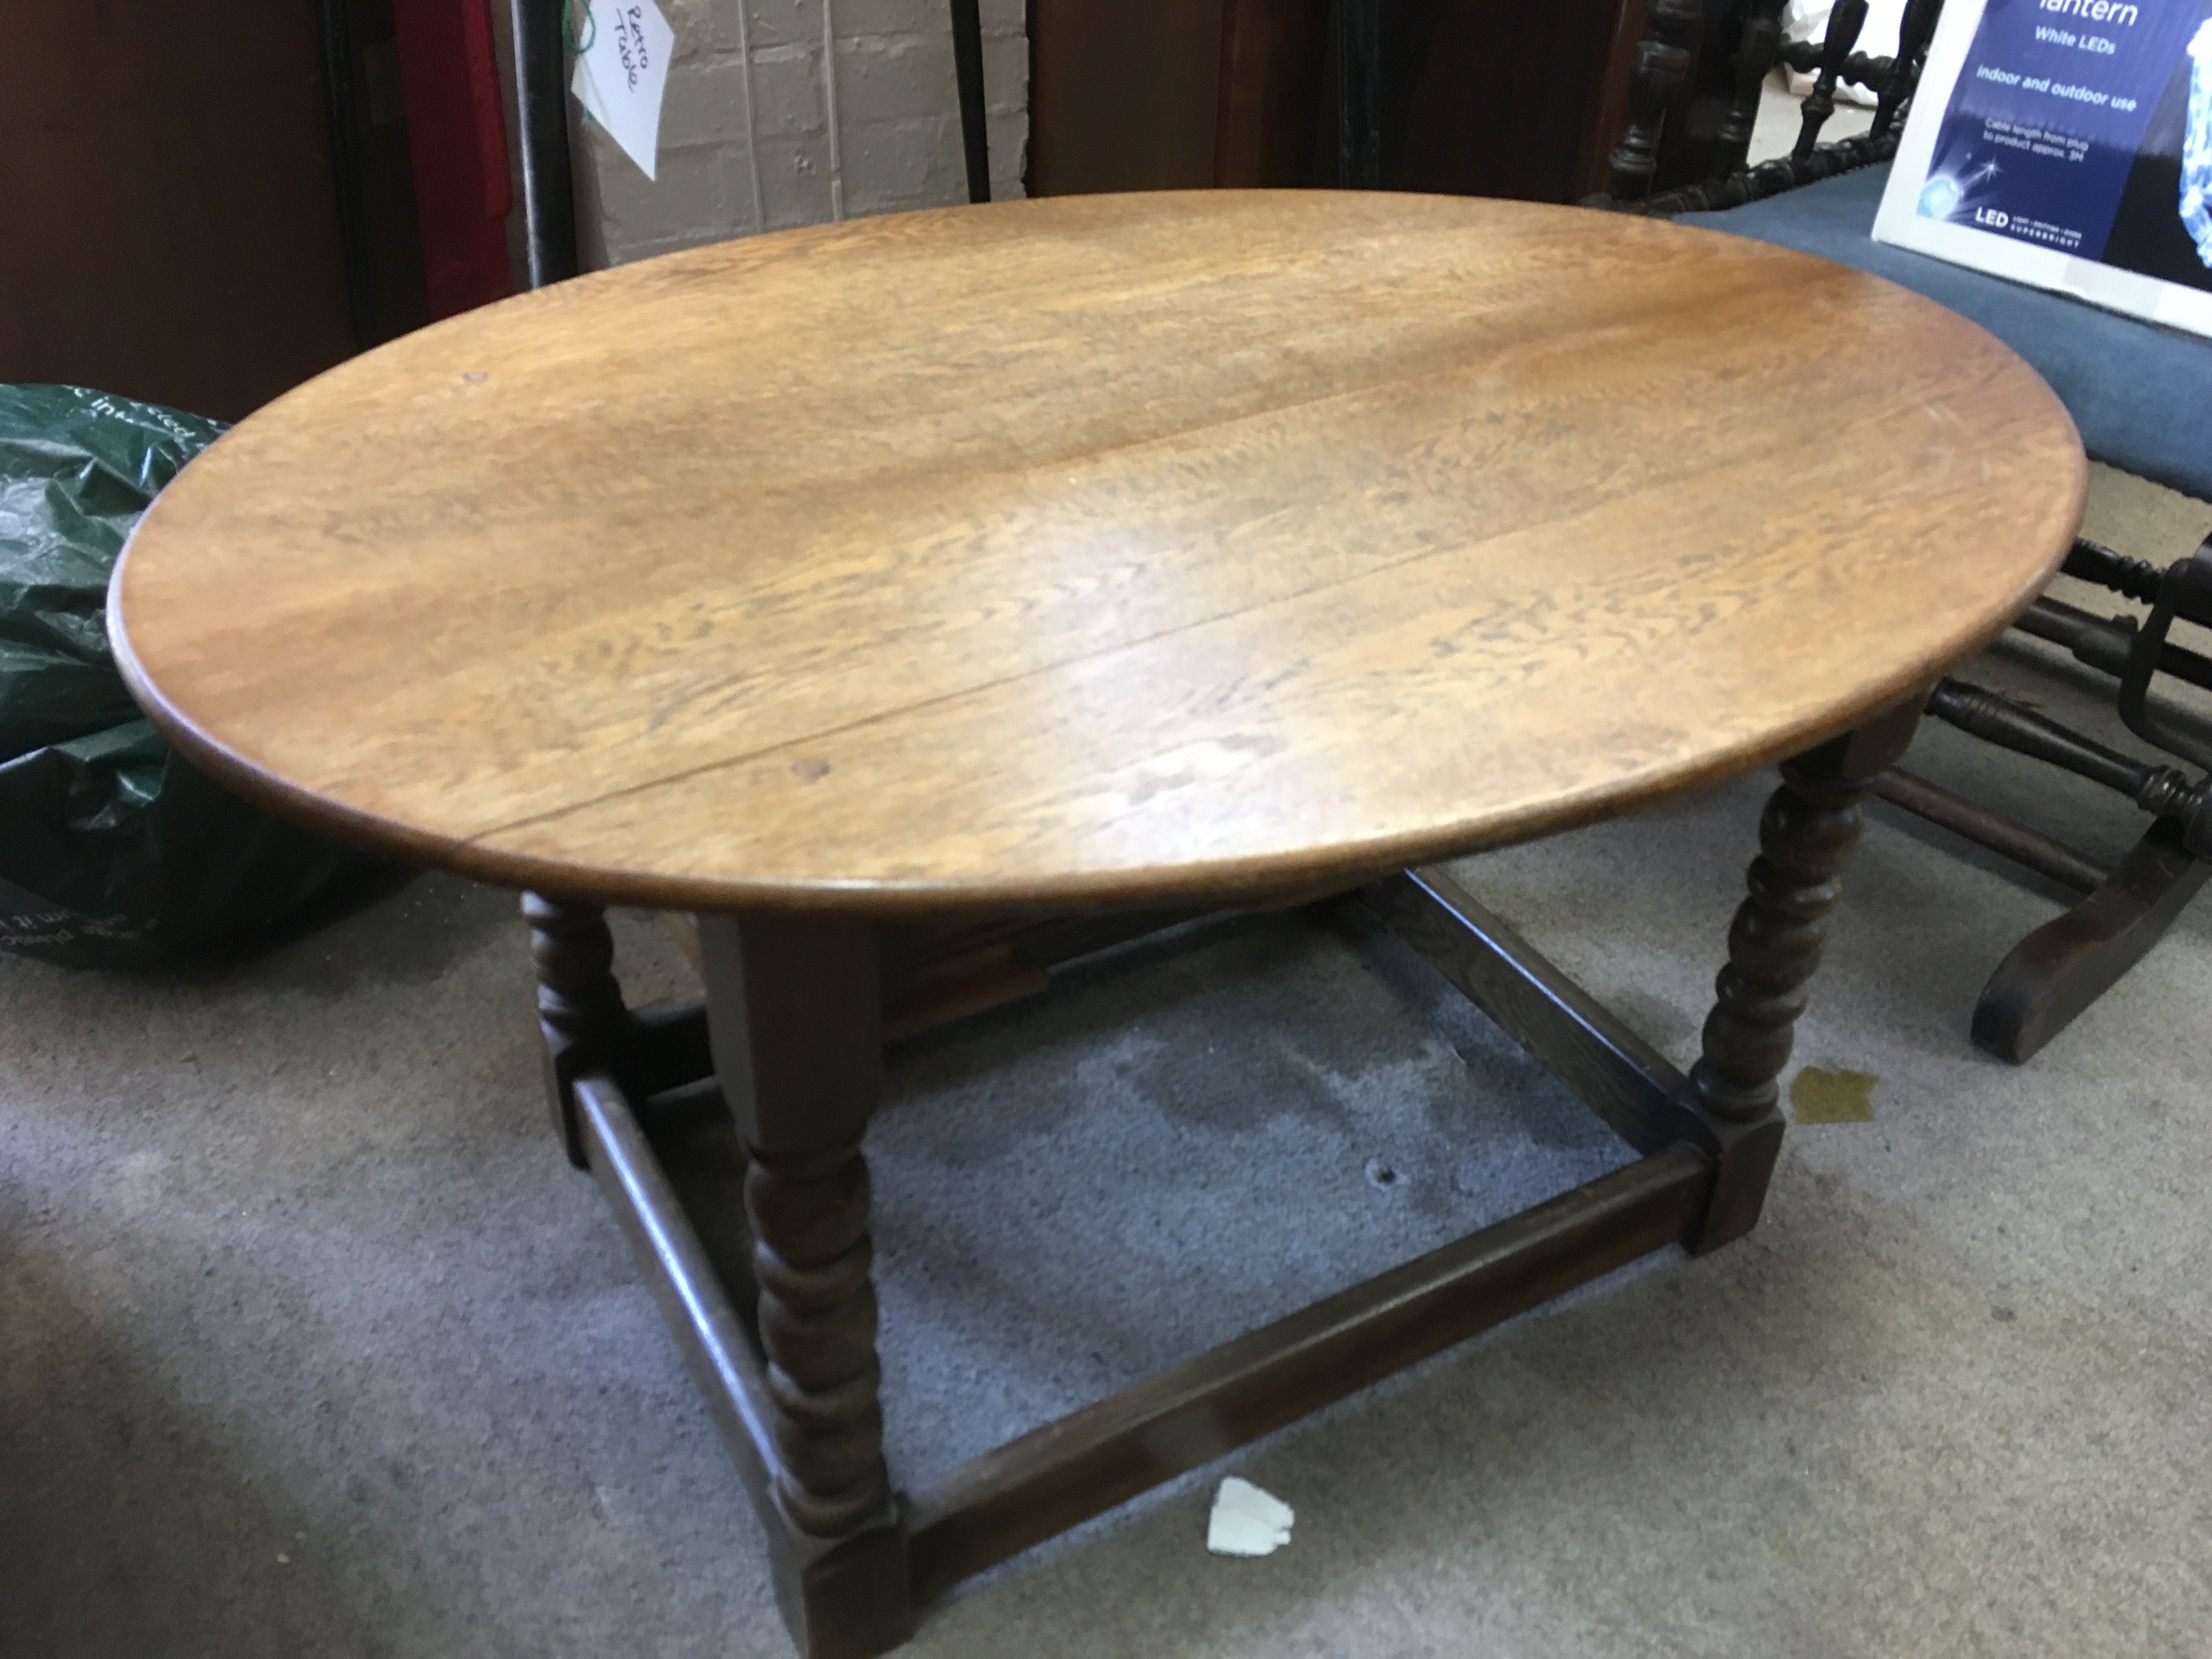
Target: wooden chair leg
x,y
2068,962
1806,837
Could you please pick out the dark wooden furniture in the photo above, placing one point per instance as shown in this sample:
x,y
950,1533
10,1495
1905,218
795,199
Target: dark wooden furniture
x,y
1154,553
1467,97
372,163
1688,40
1268,114
1126,95
171,227
1508,99
2066,964
204,215
2063,967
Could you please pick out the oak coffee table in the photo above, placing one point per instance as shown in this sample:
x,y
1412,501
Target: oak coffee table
x,y
920,601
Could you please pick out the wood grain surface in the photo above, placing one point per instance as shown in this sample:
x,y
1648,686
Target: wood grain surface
x,y
1090,550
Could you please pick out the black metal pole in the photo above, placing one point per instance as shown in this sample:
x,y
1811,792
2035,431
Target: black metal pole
x,y
541,103
1358,30
968,65
342,112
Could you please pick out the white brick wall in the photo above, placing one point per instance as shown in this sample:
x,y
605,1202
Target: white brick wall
x,y
745,130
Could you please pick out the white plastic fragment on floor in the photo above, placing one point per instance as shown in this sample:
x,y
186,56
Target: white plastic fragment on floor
x,y
1246,1521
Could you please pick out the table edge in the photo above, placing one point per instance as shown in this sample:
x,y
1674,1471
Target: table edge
x,y
1223,877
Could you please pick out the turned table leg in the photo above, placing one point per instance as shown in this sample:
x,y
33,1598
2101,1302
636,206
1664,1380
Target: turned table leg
x,y
580,1006
1806,837
794,1006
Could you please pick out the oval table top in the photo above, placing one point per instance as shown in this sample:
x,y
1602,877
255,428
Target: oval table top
x,y
1091,548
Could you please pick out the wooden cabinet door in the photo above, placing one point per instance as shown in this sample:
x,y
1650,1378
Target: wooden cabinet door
x,y
171,222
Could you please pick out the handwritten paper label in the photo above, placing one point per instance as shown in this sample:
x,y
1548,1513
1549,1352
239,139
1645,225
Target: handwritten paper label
x,y
621,72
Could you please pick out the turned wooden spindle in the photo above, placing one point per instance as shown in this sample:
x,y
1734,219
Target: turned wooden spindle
x,y
811,1257
1913,30
2160,790
1996,719
1756,52
2133,579
580,1005
1845,23
795,1004
1805,837
1661,68
574,954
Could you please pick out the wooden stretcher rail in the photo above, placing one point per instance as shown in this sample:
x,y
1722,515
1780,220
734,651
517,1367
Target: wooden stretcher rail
x,y
1611,1070
1061,1474
709,1328
1066,1472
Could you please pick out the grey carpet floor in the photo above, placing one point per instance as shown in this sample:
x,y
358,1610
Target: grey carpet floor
x,y
311,1343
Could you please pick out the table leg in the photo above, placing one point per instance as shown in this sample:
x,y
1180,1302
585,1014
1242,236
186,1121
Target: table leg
x,y
795,1011
793,1023
1806,837
580,1006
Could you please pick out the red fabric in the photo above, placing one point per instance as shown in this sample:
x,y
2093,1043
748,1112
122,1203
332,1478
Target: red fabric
x,y
456,138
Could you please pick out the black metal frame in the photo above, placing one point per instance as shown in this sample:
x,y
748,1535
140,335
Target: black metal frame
x,y
541,105
1355,48
968,69
342,115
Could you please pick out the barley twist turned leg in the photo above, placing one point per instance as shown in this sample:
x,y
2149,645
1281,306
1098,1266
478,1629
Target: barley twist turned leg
x,y
580,1006
1806,837
817,1328
795,1006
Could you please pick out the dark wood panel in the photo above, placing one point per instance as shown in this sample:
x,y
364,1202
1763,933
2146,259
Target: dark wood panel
x,y
1123,96
379,230
1512,98
172,224
1472,97
2069,962
1267,124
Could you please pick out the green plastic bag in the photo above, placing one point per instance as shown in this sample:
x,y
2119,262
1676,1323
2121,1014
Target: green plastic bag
x,y
113,851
